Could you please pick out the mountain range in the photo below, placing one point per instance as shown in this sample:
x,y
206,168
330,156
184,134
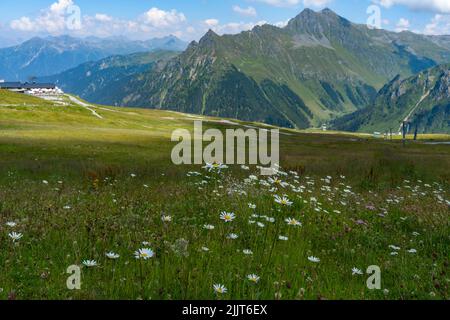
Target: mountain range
x,y
40,57
422,100
101,80
317,68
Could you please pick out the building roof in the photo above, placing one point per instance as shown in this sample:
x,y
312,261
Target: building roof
x,y
26,85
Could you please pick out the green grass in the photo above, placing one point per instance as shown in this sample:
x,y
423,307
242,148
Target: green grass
x,y
92,205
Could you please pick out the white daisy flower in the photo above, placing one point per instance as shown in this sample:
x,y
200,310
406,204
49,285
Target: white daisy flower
x,y
253,278
247,252
206,249
144,253
412,251
15,236
227,216
11,224
215,167
232,236
278,182
208,227
356,271
284,201
283,238
293,222
220,289
111,255
90,263
252,206
314,259
165,218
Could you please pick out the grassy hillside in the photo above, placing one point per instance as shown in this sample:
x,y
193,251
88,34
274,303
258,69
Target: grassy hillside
x,y
77,186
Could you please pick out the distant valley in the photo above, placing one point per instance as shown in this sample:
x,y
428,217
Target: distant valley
x,y
422,100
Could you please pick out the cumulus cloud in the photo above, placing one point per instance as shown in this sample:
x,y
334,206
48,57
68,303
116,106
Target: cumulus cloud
x,y
155,22
51,20
402,25
103,17
281,24
236,27
211,22
231,27
281,3
316,3
441,6
250,11
22,24
439,24
58,19
160,18
292,3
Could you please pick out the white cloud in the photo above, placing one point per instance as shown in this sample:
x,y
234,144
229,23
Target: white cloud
x,y
442,6
56,20
190,30
103,17
211,22
316,3
281,24
439,25
231,27
250,11
281,3
60,6
293,3
236,27
402,25
51,20
22,24
160,18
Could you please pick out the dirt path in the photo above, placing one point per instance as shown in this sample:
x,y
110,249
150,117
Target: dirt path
x,y
84,105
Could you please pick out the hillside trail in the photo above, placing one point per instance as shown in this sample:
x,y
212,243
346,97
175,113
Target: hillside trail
x,y
414,109
84,105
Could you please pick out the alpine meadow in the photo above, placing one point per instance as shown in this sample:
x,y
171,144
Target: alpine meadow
x,y
351,202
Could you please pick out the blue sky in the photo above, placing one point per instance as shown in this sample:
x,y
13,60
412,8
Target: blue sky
x,y
189,20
